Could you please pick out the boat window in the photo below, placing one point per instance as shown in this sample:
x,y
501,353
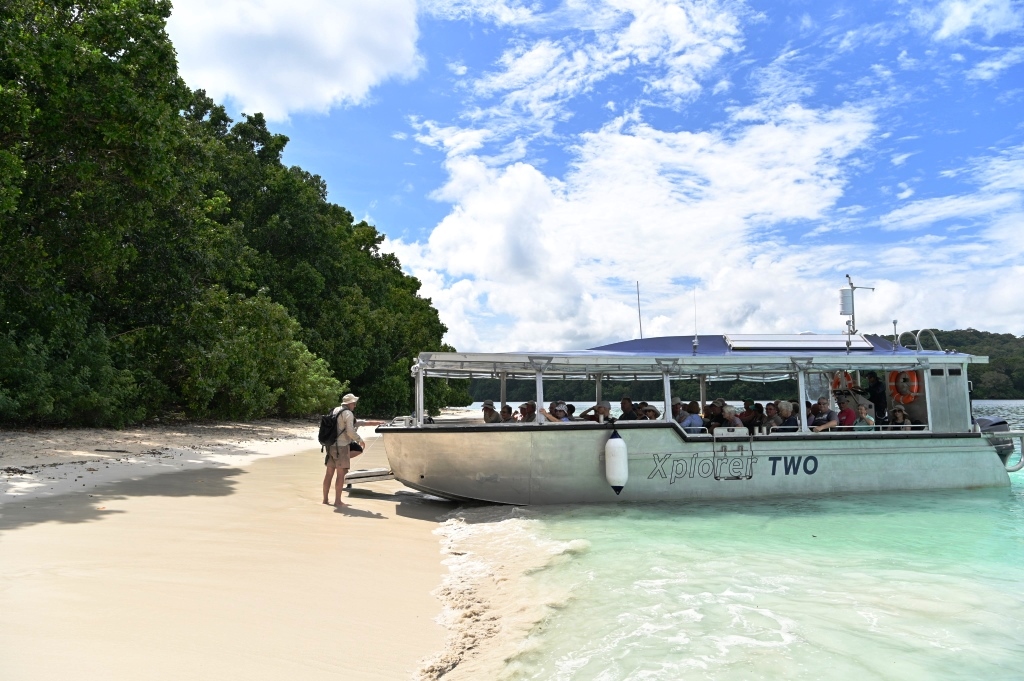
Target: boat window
x,y
955,372
937,372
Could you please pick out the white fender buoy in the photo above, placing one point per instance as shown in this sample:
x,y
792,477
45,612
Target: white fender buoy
x,y
616,463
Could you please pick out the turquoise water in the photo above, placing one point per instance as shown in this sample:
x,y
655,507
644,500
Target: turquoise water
x,y
890,586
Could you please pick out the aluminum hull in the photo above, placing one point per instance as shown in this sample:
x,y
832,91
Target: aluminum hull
x,y
564,463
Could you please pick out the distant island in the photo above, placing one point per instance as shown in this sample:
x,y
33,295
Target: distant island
x,y
1001,379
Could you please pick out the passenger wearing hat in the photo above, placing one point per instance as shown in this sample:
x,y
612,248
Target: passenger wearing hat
x,y
847,416
490,415
558,412
528,412
602,412
339,454
679,412
652,413
898,420
713,418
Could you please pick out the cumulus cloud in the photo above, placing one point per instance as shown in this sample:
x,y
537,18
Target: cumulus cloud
x,y
285,57
526,260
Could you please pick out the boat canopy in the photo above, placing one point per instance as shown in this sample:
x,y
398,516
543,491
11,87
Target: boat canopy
x,y
748,357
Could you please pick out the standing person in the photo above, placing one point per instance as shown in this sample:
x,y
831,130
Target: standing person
x,y
876,393
337,460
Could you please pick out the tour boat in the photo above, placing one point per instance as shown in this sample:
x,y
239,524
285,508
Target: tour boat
x,y
543,462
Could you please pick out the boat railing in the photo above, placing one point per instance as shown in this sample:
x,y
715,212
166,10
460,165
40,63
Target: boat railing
x,y
1013,435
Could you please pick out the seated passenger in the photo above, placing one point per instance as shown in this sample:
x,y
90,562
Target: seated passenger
x,y
570,410
713,414
557,413
757,420
628,411
693,423
602,413
789,423
846,415
490,415
652,413
747,413
863,422
641,411
528,412
729,418
825,418
679,412
898,418
771,416
506,414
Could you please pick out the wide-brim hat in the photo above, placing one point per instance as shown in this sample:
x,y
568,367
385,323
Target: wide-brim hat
x,y
654,409
675,401
719,402
604,403
488,404
349,399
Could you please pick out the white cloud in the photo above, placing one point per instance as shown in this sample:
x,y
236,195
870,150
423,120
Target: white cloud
x,y
999,179
992,68
900,159
458,68
280,58
528,260
952,18
667,45
501,12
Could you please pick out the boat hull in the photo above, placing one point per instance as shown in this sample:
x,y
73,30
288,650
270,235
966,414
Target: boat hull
x,y
564,463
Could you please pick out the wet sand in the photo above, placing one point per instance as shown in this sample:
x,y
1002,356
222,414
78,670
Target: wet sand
x,y
223,572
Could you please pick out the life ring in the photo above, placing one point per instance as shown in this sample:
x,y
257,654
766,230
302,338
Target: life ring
x,y
842,381
903,386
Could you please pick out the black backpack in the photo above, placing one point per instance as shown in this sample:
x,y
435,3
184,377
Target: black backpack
x,y
328,430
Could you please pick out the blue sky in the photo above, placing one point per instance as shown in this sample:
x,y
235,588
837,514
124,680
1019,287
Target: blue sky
x,y
530,161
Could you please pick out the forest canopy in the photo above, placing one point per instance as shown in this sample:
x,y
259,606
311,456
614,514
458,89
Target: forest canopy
x,y
157,257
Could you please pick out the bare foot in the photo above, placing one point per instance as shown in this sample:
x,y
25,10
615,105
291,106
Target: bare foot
x,y
327,503
339,502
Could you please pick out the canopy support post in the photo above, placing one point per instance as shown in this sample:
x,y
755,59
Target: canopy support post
x,y
504,375
801,381
597,391
540,396
703,393
419,397
926,374
667,414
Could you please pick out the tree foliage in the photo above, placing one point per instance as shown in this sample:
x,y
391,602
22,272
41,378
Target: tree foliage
x,y
157,256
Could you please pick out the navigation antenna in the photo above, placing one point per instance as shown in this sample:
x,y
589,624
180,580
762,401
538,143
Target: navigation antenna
x,y
695,341
846,308
639,318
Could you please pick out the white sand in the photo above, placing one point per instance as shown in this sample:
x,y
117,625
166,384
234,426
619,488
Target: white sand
x,y
198,568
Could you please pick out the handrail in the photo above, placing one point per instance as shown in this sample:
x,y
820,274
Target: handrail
x,y
1009,435
934,339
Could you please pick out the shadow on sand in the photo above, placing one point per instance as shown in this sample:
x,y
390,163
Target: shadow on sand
x,y
79,507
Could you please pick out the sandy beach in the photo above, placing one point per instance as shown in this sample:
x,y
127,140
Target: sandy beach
x,y
203,551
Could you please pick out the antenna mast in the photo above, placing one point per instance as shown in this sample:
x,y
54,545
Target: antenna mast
x,y
639,318
846,308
